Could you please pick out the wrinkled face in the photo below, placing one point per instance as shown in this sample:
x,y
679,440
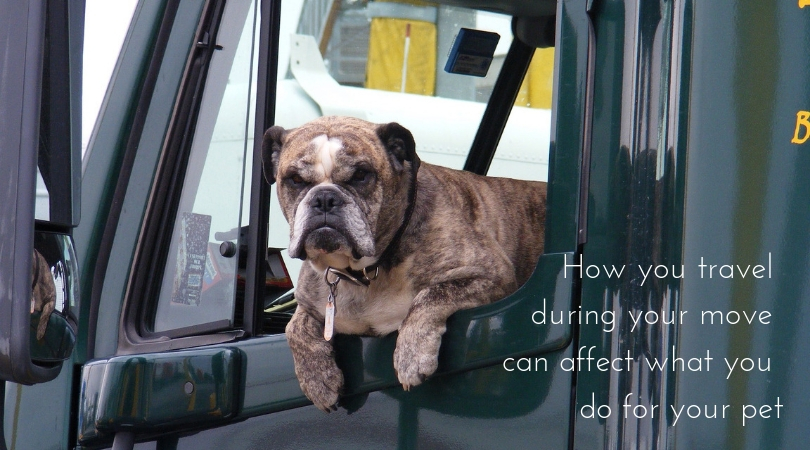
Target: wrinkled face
x,y
342,184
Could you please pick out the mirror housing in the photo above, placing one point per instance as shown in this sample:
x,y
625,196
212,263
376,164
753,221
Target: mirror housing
x,y
40,127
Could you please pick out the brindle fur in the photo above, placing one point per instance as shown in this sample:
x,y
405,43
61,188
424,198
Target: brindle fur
x,y
471,240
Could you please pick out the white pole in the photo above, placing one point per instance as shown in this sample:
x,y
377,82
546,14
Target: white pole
x,y
405,57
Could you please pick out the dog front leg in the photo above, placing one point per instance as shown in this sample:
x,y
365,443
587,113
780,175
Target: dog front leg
x,y
417,352
318,374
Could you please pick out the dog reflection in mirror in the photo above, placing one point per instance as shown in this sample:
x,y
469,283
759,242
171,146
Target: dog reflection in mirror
x,y
43,292
390,243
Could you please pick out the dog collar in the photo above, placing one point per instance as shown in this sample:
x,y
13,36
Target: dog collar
x,y
359,277
331,307
386,259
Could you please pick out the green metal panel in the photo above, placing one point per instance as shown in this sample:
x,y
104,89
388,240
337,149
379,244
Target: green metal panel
x,y
634,218
747,203
696,159
157,392
568,130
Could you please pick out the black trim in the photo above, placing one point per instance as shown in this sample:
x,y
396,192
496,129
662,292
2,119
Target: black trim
x,y
75,395
260,191
199,329
59,139
125,172
51,227
499,107
582,229
587,132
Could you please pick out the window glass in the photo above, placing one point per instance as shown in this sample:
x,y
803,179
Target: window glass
x,y
203,273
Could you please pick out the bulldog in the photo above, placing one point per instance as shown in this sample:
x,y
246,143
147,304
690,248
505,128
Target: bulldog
x,y
390,243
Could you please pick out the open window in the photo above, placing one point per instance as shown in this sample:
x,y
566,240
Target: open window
x,y
361,59
385,62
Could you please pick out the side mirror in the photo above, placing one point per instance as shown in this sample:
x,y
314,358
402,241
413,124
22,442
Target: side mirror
x,y
40,133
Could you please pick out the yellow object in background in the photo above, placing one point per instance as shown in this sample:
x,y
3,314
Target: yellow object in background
x,y
535,92
386,51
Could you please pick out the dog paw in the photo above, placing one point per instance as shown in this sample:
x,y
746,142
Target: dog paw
x,y
322,387
416,357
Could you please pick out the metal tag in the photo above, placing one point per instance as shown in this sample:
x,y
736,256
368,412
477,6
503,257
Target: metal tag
x,y
329,319
329,314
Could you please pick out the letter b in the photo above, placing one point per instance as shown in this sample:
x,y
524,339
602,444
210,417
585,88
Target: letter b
x,y
802,121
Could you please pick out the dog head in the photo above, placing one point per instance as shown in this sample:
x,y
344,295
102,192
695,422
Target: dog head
x,y
343,186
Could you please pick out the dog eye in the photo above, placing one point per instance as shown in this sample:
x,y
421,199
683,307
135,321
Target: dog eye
x,y
296,180
360,176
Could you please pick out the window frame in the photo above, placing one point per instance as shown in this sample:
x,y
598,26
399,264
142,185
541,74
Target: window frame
x,y
161,210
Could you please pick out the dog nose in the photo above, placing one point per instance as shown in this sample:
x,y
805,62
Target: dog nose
x,y
325,201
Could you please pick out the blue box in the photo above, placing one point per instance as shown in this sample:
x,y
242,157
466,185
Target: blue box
x,y
472,52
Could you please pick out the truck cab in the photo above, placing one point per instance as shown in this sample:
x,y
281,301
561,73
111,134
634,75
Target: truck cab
x,y
146,284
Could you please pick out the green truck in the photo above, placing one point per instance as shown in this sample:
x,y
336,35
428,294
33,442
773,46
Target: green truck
x,y
145,286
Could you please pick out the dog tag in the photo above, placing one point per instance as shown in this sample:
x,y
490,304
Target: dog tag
x,y
329,314
329,322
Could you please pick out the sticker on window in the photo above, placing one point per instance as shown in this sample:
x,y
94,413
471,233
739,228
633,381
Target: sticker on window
x,y
191,258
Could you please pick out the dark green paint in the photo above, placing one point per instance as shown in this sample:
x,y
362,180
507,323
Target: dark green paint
x,y
721,82
747,196
567,127
148,394
634,213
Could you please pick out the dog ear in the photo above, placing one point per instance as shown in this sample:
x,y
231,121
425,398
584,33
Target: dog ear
x,y
400,144
271,148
